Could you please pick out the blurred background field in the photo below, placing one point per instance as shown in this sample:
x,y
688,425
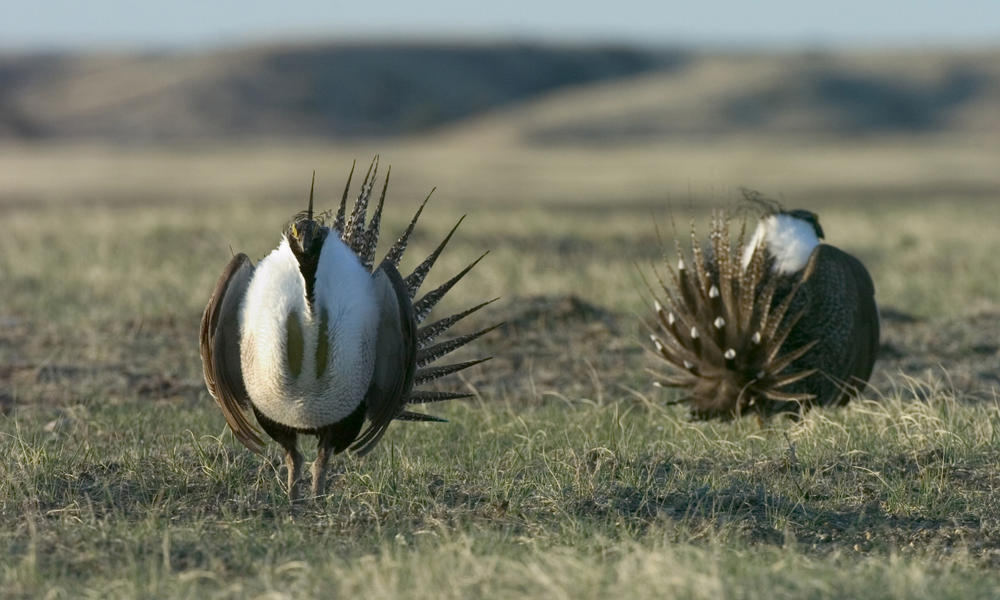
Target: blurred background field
x,y
129,174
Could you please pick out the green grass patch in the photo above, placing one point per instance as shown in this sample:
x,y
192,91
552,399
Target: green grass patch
x,y
893,499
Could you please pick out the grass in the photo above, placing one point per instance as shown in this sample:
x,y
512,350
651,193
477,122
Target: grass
x,y
571,500
567,476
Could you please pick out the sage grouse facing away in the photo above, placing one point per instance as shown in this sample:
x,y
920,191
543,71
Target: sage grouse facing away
x,y
777,325
314,340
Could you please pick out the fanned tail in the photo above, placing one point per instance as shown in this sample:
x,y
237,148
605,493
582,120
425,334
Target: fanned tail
x,y
720,334
363,239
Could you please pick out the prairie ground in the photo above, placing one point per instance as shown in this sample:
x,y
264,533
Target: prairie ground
x,y
567,475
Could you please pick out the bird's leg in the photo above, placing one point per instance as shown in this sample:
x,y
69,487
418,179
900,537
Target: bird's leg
x,y
289,441
293,460
319,467
333,439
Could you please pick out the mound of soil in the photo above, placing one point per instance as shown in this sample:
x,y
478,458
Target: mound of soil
x,y
558,346
963,353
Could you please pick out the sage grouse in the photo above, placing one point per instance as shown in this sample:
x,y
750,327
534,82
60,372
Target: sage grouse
x,y
777,325
314,340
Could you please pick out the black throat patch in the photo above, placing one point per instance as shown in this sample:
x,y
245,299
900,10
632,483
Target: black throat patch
x,y
309,262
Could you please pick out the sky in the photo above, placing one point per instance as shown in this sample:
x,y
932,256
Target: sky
x,y
157,24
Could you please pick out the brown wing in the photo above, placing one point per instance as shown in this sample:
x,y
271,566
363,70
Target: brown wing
x,y
844,286
220,350
865,338
395,356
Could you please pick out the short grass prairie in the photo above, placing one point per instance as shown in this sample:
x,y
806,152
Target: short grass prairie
x,y
567,475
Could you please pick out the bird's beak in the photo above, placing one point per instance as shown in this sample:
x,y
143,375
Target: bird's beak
x,y
304,237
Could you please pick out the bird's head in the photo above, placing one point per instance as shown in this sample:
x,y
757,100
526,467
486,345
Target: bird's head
x,y
305,234
770,209
809,217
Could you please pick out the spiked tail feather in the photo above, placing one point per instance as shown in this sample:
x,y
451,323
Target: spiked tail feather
x,y
415,279
423,307
720,334
432,353
312,188
428,374
338,222
428,333
408,415
367,253
425,396
353,234
396,252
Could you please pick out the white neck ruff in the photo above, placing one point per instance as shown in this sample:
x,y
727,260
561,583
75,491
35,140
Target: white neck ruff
x,y
790,241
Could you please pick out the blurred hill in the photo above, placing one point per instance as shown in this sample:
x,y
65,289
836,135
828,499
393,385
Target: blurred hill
x,y
793,96
313,91
538,94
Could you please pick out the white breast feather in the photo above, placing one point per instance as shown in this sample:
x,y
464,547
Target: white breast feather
x,y
789,240
344,289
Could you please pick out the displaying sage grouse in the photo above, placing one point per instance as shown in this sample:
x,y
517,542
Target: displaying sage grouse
x,y
777,325
314,340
